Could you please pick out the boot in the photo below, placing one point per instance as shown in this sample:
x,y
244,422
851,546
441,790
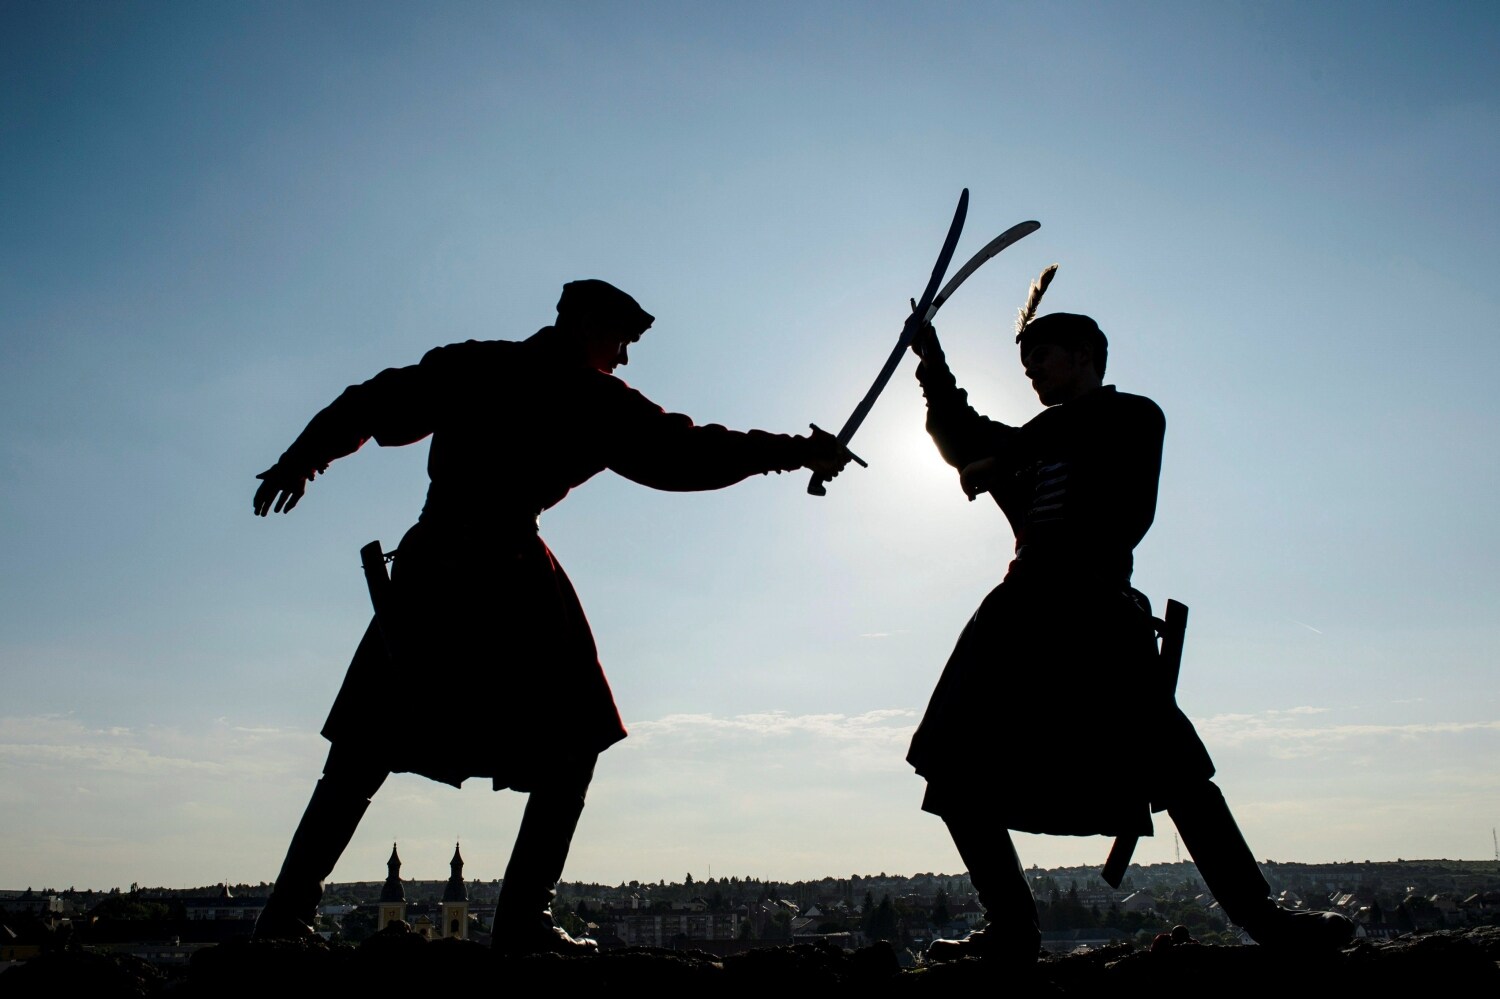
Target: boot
x,y
523,914
1000,882
1228,868
327,825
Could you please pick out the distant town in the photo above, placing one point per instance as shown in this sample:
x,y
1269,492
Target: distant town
x,y
727,915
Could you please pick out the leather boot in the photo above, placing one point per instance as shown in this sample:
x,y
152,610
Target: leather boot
x,y
1012,934
327,825
523,914
1229,870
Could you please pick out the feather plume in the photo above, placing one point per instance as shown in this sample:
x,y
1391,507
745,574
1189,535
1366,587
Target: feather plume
x,y
1034,300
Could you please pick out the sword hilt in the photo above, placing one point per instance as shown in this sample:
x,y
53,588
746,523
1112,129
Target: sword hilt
x,y
815,487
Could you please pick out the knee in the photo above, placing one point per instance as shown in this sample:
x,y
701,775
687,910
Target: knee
x,y
577,778
568,781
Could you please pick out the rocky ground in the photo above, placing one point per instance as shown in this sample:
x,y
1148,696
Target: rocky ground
x,y
1467,959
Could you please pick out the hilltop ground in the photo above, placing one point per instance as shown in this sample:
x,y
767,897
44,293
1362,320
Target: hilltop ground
x,y
399,961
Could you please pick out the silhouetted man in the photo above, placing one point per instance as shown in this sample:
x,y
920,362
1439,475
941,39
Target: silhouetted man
x,y
1059,664
489,619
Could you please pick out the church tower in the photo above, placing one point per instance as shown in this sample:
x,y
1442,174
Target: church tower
x,y
455,900
392,895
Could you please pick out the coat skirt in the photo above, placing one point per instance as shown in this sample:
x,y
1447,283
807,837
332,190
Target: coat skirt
x,y
495,673
1052,714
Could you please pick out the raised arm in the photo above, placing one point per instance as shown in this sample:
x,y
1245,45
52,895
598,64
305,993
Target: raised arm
x,y
961,434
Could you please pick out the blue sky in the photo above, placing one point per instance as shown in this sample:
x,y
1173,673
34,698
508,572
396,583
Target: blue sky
x,y
219,215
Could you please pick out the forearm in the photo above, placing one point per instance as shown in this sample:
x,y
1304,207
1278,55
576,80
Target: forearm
x,y
961,434
331,434
392,408
695,458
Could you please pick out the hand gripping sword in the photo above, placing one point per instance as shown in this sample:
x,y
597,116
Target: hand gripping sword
x,y
923,311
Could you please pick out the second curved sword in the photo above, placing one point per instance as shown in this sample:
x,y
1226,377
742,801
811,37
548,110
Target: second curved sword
x,y
990,249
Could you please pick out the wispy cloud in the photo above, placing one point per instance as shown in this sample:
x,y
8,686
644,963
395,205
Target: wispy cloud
x,y
63,743
142,801
874,740
1290,737
882,727
778,724
105,758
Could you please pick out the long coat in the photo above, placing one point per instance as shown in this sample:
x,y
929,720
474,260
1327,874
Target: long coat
x,y
1051,715
489,619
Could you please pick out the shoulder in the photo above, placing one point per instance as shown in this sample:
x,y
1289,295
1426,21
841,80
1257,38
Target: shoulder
x,y
470,352
472,363
1135,408
1104,412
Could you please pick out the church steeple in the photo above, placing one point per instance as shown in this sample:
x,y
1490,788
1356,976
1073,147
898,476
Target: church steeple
x,y
456,890
392,891
392,906
455,900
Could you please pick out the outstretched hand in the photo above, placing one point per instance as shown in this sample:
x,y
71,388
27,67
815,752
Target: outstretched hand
x,y
280,487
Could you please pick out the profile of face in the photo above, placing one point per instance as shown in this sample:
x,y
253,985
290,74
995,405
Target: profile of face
x,y
1059,373
607,349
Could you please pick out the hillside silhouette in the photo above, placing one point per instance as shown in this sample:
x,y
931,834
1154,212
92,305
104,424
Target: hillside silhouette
x,y
396,959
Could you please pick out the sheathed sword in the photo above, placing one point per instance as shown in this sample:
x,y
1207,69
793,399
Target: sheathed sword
x,y
926,309
382,598
1173,632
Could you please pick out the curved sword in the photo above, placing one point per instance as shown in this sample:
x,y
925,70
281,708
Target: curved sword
x,y
908,329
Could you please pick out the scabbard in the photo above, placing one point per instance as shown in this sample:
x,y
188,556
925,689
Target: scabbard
x,y
1173,631
382,596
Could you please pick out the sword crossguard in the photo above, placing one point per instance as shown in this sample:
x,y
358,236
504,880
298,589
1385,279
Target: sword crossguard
x,y
852,456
